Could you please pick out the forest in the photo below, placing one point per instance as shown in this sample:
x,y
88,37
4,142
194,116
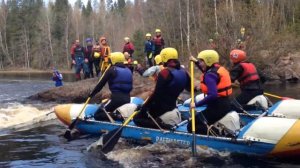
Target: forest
x,y
37,34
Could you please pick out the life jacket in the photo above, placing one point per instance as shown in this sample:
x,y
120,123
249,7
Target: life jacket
x,y
178,83
79,51
249,74
128,47
157,40
105,53
223,84
122,82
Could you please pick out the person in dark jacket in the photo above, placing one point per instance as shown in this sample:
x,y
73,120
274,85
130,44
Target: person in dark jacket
x,y
79,60
148,49
248,77
119,79
216,84
97,57
128,46
89,56
161,105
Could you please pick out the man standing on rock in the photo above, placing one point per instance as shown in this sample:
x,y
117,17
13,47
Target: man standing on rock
x,y
79,60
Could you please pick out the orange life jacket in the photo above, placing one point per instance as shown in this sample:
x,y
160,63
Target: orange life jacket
x,y
224,81
105,52
249,74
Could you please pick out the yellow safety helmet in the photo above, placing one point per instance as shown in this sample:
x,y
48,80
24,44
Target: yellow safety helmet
x,y
209,57
148,35
96,54
127,39
116,57
168,53
157,59
157,31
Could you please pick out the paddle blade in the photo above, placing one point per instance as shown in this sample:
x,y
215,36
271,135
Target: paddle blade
x,y
109,140
68,135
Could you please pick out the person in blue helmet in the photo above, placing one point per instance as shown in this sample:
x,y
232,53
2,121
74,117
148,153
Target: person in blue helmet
x,y
119,79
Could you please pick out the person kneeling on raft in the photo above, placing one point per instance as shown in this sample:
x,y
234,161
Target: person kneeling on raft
x,y
161,105
119,79
216,84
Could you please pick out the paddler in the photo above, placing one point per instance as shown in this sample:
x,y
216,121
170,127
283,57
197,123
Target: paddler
x,y
161,105
216,84
246,74
119,79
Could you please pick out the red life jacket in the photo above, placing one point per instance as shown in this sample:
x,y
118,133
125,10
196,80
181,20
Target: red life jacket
x,y
224,84
157,40
249,74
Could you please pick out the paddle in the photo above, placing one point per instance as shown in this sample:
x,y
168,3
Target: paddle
x,y
278,97
269,94
109,140
67,134
193,109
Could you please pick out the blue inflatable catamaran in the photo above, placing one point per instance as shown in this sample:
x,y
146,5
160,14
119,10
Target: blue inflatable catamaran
x,y
258,137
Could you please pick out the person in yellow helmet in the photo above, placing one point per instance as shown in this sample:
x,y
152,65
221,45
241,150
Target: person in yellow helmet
x,y
158,43
216,84
161,105
148,49
119,79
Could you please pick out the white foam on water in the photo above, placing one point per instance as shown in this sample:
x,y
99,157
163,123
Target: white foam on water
x,y
156,155
16,115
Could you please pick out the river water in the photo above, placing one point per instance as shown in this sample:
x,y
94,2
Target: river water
x,y
38,142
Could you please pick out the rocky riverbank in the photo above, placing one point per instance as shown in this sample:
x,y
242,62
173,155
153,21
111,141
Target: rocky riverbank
x,y
77,92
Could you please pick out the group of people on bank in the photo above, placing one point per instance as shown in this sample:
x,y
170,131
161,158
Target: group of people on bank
x,y
96,56
159,110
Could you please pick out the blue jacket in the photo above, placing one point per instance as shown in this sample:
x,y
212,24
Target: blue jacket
x,y
148,46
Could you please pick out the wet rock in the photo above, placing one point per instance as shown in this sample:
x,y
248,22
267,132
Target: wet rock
x,y
77,92
285,68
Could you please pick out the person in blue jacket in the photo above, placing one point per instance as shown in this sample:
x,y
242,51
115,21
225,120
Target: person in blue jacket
x,y
148,49
119,79
57,77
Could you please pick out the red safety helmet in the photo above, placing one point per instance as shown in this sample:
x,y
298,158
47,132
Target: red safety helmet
x,y
237,56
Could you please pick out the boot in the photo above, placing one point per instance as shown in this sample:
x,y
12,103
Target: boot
x,y
78,77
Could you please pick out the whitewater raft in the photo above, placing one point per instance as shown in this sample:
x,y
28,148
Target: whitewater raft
x,y
267,136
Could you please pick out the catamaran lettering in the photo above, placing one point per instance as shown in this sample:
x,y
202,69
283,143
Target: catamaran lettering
x,y
169,140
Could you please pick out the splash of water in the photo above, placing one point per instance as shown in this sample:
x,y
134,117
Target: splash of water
x,y
18,115
156,155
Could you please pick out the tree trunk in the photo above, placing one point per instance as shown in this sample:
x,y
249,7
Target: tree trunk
x,y
188,26
180,24
50,39
216,16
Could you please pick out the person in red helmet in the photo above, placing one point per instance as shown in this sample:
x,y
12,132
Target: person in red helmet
x,y
247,75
